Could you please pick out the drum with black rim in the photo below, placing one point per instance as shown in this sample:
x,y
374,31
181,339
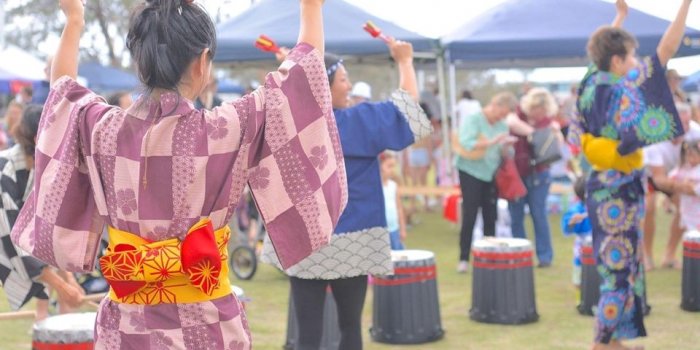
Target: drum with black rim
x,y
503,288
406,306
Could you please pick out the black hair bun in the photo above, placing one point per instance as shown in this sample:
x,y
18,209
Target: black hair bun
x,y
158,3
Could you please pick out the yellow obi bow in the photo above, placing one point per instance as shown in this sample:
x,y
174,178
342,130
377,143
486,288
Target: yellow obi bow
x,y
602,153
169,271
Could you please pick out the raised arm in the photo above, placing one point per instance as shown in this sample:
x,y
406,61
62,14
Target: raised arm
x,y
66,60
311,29
671,41
402,52
622,10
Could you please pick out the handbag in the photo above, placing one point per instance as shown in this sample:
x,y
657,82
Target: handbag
x,y
545,146
508,182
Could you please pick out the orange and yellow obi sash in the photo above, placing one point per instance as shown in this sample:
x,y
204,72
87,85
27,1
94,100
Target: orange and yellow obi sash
x,y
602,154
170,271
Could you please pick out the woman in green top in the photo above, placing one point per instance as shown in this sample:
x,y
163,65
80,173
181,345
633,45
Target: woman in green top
x,y
481,140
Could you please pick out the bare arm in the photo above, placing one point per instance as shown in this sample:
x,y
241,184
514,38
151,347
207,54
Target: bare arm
x,y
481,145
402,52
671,41
622,10
66,60
68,292
478,152
518,126
402,217
663,182
311,29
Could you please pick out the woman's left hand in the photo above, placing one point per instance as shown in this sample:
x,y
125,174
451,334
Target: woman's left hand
x,y
73,9
401,51
622,8
281,55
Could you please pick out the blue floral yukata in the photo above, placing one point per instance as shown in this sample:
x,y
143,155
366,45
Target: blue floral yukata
x,y
635,110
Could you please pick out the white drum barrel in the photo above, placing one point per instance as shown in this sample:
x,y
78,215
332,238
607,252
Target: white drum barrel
x,y
65,332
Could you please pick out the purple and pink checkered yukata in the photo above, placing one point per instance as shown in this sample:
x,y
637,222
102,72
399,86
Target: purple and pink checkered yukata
x,y
157,168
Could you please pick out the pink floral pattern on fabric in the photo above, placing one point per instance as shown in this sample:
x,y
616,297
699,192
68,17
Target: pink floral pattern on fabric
x,y
216,129
319,157
259,178
126,200
137,321
160,341
159,233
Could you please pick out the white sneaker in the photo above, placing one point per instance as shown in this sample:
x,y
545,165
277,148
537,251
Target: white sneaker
x,y
463,266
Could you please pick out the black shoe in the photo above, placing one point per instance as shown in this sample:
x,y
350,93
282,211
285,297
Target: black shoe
x,y
543,265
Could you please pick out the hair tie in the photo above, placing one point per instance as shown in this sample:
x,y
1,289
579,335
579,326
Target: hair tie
x,y
184,3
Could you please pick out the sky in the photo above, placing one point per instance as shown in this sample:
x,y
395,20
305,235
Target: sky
x,y
435,18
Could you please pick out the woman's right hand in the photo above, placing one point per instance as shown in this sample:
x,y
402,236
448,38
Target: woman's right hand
x,y
73,9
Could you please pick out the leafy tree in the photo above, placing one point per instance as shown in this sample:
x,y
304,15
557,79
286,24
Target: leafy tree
x,y
30,22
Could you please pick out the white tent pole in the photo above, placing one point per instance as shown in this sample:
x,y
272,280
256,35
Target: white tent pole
x,y
453,96
420,77
443,107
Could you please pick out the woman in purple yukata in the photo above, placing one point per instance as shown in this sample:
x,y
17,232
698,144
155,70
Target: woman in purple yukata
x,y
166,178
624,105
360,244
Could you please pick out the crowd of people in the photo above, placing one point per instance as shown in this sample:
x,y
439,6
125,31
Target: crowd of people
x,y
320,156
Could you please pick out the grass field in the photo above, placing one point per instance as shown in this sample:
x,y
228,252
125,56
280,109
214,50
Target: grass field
x,y
559,326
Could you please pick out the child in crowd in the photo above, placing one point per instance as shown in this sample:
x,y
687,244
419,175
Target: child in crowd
x,y
689,171
576,222
395,218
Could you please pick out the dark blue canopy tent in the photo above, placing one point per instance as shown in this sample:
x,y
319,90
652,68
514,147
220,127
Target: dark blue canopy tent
x,y
537,33
279,19
692,82
104,79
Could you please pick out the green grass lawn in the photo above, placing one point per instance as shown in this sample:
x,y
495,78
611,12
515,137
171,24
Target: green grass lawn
x,y
559,326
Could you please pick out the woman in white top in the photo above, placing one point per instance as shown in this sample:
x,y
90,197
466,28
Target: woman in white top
x,y
659,160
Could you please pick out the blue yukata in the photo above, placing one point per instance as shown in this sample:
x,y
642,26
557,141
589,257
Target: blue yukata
x,y
635,111
360,244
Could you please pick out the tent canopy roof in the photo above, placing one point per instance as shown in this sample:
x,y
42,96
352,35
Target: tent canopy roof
x,y
523,32
105,79
279,20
